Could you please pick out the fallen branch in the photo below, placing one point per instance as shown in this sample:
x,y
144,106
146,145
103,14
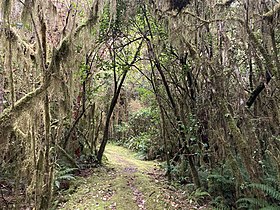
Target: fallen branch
x,y
69,158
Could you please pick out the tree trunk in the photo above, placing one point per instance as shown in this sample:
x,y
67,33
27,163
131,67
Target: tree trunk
x,y
1,94
108,118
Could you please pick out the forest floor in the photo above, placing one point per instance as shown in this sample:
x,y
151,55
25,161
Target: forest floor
x,y
127,183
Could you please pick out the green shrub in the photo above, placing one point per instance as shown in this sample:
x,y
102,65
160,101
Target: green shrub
x,y
141,133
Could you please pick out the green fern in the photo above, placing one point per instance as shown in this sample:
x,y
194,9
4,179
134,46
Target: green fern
x,y
198,195
64,174
66,171
252,202
259,203
219,203
272,181
270,208
270,191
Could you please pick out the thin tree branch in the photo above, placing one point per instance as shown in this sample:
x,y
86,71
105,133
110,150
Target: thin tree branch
x,y
273,11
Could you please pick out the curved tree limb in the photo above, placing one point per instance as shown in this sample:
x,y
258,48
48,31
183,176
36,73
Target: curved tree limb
x,y
273,11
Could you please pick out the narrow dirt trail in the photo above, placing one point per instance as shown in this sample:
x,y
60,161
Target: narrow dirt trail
x,y
125,183
134,172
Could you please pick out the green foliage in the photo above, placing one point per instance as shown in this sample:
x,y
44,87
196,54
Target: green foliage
x,y
221,186
251,203
220,203
104,24
122,128
83,71
64,174
110,24
270,201
140,143
142,132
142,121
198,196
270,191
269,165
145,95
158,29
120,17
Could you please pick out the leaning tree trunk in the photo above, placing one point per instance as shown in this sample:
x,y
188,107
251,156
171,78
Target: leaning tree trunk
x,y
117,90
108,118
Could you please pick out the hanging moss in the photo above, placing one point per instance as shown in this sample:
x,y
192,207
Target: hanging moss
x,y
26,11
6,8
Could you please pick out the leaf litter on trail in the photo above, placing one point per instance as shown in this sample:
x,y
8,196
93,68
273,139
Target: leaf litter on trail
x,y
108,195
128,185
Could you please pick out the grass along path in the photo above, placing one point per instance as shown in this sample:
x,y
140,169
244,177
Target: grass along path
x,y
125,183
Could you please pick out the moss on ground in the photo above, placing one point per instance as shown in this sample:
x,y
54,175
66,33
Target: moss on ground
x,y
124,183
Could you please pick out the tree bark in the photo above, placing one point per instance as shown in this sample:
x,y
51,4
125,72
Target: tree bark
x,y
108,118
1,94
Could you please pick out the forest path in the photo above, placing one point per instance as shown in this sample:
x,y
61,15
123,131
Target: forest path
x,y
125,183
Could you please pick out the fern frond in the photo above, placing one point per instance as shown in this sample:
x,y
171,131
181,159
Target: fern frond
x,y
201,193
272,181
243,206
65,172
217,178
66,177
253,201
270,208
270,191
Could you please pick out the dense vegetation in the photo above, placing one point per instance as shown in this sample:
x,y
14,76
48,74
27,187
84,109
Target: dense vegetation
x,y
194,84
